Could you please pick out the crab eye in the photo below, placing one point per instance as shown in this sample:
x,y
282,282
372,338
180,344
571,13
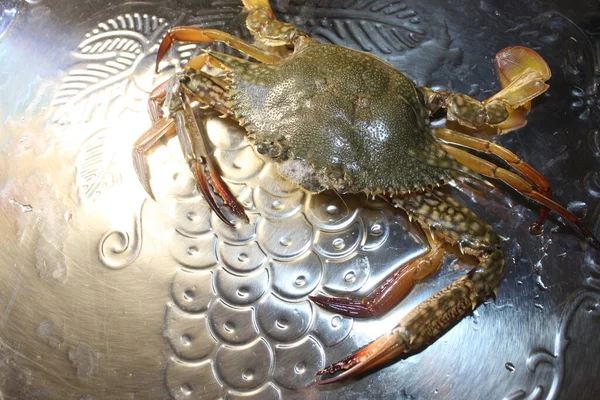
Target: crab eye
x,y
421,97
185,79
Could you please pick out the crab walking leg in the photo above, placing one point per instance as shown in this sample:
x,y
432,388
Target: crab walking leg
x,y
485,146
198,35
165,127
450,222
197,63
157,99
491,170
207,90
261,22
391,291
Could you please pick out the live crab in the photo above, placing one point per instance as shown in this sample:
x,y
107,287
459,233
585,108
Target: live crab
x,y
333,118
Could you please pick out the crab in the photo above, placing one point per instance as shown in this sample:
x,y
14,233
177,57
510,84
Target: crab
x,y
333,118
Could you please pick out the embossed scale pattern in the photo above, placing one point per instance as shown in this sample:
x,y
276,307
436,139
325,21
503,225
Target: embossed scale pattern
x,y
241,292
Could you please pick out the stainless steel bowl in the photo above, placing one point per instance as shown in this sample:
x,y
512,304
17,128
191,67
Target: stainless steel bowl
x,y
105,294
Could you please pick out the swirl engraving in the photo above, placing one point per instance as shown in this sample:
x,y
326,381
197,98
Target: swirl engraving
x,y
118,248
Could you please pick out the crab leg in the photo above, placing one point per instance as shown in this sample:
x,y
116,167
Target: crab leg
x,y
491,170
485,146
197,63
198,35
392,291
449,222
164,127
157,100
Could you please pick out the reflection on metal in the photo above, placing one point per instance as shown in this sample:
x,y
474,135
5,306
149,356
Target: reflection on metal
x,y
205,311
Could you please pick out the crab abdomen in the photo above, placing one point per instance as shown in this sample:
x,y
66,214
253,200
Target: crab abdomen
x,y
338,119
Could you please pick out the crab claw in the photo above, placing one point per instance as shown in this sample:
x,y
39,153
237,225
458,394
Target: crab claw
x,y
522,73
193,145
385,349
513,61
207,179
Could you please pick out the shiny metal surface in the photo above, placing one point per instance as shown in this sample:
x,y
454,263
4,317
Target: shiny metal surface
x,y
105,294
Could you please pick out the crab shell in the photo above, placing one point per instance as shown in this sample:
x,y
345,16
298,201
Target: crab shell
x,y
331,128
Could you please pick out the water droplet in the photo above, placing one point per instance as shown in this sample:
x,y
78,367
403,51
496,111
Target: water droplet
x,y
536,229
191,216
300,281
376,229
476,320
577,208
186,389
540,284
591,308
192,250
510,367
248,375
332,209
242,257
350,277
299,368
277,205
474,90
25,208
281,323
577,92
229,327
285,241
189,295
186,339
339,243
336,321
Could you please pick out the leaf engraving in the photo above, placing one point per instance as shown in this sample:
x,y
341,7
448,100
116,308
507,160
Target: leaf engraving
x,y
371,25
107,56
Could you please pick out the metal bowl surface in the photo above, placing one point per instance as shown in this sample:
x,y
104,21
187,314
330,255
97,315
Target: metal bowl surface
x,y
105,294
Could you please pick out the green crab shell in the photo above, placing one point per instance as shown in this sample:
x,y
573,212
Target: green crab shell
x,y
336,118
